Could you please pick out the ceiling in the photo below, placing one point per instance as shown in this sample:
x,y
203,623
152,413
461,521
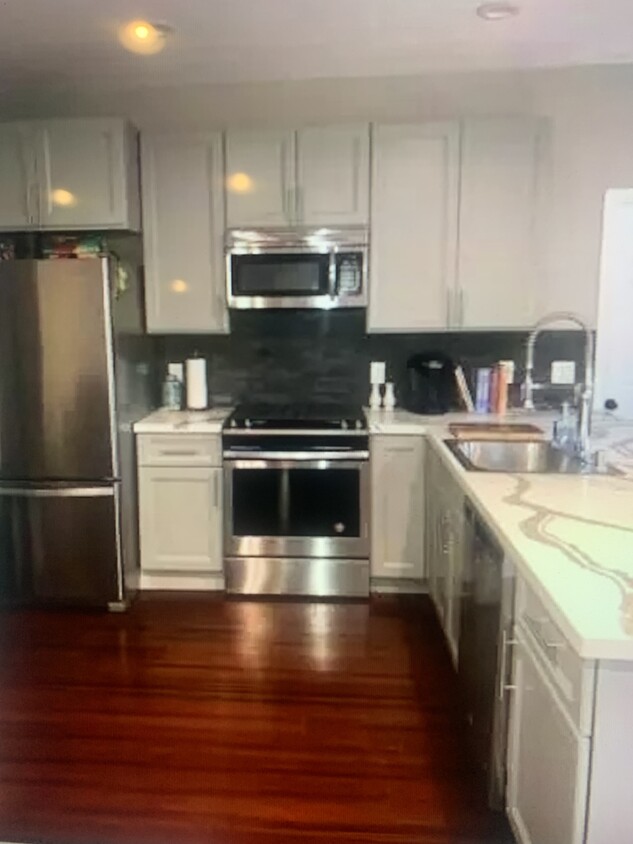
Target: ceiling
x,y
53,44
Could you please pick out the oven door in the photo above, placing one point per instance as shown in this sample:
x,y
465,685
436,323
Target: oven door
x,y
289,508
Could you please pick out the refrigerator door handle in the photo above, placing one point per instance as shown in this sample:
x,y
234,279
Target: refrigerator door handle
x,y
58,492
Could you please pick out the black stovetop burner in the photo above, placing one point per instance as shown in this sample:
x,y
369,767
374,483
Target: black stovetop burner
x,y
322,416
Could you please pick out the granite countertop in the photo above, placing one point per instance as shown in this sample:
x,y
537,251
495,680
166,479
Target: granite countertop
x,y
165,421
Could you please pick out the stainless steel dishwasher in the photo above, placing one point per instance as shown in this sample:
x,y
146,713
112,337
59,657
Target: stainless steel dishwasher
x,y
486,623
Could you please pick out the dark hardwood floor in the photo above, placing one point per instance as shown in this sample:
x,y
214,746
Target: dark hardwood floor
x,y
207,720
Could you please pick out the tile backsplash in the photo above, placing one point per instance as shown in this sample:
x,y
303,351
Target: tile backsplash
x,y
318,355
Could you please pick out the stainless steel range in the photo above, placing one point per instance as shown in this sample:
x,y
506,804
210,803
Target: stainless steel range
x,y
296,501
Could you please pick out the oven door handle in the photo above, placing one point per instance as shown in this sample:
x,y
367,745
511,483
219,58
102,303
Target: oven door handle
x,y
295,456
259,463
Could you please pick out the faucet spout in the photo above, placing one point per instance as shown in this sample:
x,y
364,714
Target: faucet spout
x,y
586,400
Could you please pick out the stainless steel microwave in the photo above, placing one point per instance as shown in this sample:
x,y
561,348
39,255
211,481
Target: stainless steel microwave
x,y
297,268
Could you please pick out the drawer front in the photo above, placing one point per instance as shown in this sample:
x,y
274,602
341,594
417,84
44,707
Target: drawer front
x,y
179,450
572,676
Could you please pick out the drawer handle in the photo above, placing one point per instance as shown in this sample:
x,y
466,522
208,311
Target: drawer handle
x,y
177,453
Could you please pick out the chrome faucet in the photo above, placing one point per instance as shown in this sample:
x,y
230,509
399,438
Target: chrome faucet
x,y
583,433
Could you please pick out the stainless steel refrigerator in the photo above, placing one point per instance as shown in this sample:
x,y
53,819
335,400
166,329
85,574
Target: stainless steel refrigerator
x,y
72,381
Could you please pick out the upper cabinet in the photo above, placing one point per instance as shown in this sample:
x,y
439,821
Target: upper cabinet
x,y
415,192
260,171
333,175
501,179
17,177
455,225
316,176
183,225
69,174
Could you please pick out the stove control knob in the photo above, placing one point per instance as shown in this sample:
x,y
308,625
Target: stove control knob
x,y
247,423
359,425
233,423
344,425
339,527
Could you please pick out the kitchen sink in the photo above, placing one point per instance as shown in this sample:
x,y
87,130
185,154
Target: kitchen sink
x,y
540,457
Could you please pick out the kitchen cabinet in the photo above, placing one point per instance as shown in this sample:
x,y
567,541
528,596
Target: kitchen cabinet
x,y
183,227
180,519
315,176
502,180
444,546
414,215
397,523
69,174
180,503
548,759
17,177
333,175
260,178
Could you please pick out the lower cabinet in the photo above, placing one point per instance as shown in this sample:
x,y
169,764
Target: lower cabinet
x,y
180,503
444,545
548,759
181,519
397,490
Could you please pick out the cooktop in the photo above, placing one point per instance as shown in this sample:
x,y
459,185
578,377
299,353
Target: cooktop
x,y
326,416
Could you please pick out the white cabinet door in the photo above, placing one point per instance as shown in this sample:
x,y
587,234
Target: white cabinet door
x,y
498,274
86,174
180,519
18,203
397,478
260,178
547,760
183,226
333,175
453,510
414,226
614,353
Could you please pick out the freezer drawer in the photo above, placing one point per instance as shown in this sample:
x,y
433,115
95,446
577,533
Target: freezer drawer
x,y
59,545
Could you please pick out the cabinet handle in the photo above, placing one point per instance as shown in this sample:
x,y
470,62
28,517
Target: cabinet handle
x,y
300,204
177,453
216,494
460,307
449,308
503,686
290,209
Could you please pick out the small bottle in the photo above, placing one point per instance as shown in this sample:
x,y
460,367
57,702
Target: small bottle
x,y
389,399
172,392
375,397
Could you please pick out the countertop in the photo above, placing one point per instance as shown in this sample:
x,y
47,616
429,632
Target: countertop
x,y
165,421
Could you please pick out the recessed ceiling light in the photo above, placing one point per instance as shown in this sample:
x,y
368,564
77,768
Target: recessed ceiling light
x,y
497,11
144,37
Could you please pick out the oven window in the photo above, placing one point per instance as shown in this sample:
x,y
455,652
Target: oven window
x,y
280,275
296,502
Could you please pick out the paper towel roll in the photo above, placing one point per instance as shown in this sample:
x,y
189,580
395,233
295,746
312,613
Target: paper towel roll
x,y
196,369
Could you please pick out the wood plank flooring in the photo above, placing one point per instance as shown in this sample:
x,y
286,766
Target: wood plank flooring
x,y
200,719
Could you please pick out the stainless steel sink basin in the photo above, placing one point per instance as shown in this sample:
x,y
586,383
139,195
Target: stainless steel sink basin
x,y
503,456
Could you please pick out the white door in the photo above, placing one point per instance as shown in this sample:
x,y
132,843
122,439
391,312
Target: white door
x,y
614,353
333,175
397,478
414,226
82,174
18,203
180,519
183,227
260,178
547,760
498,274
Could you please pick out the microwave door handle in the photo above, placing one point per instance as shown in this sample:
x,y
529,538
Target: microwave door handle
x,y
332,275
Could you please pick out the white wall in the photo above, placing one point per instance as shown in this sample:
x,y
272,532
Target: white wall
x,y
591,112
